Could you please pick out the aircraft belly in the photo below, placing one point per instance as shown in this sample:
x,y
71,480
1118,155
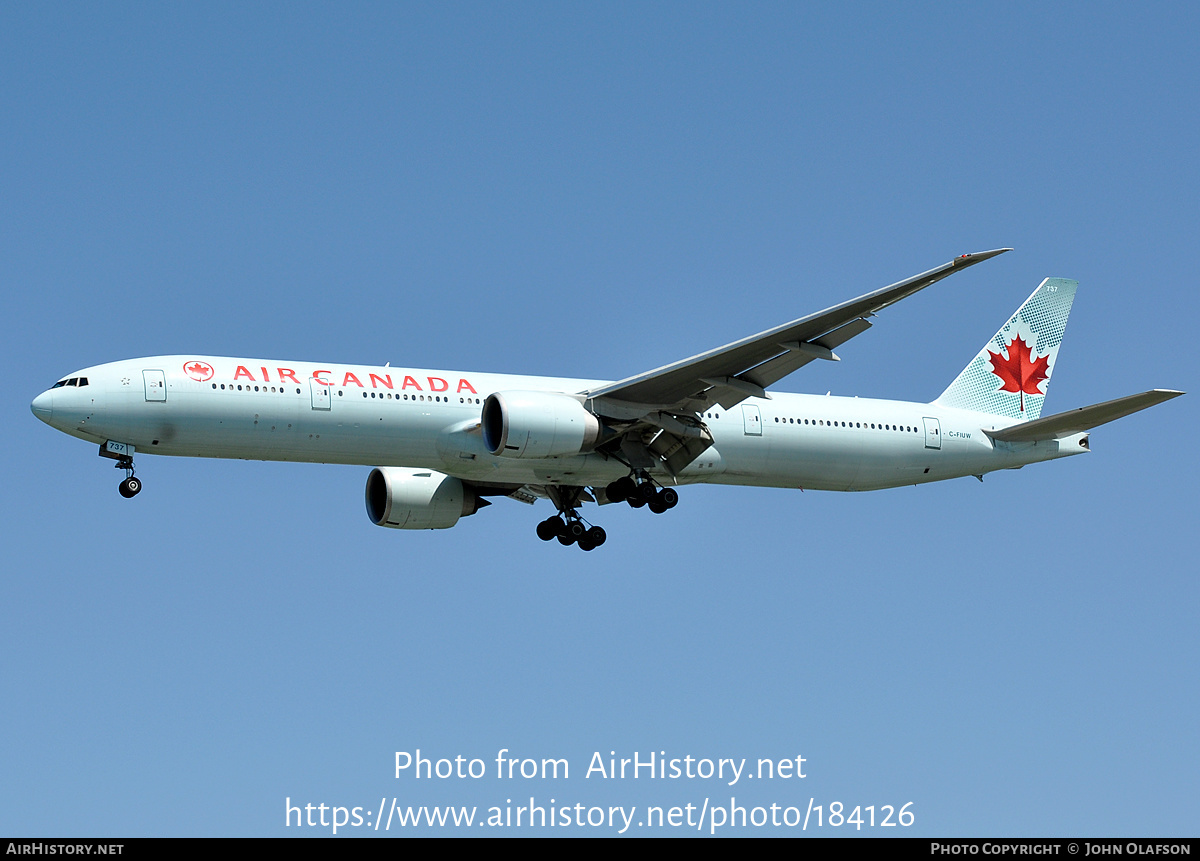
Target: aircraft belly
x,y
834,465
813,458
745,457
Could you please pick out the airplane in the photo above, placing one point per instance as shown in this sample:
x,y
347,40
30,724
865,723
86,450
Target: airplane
x,y
441,442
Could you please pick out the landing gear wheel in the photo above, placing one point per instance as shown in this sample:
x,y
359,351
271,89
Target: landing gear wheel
x,y
657,506
130,487
569,528
647,491
668,497
549,528
636,502
620,490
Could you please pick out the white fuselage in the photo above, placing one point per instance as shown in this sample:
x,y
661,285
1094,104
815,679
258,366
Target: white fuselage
x,y
256,409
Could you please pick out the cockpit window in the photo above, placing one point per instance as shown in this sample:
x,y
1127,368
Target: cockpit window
x,y
83,381
74,381
59,384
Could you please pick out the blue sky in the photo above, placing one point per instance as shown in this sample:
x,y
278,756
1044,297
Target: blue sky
x,y
594,191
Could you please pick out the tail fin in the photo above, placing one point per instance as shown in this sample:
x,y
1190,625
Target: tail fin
x,y
1010,375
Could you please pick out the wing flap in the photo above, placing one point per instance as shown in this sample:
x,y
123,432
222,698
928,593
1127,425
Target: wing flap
x,y
799,353
1085,418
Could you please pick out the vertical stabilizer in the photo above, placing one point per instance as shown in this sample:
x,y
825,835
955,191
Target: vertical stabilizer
x,y
1010,375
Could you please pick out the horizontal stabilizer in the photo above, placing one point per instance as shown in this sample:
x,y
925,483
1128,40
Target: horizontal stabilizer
x,y
1085,418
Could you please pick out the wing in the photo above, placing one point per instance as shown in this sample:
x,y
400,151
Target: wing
x,y
743,369
655,417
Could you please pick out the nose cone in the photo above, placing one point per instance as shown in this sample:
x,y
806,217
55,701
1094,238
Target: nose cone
x,y
43,406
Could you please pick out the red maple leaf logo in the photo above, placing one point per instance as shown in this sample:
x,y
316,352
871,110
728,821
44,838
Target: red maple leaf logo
x,y
198,371
1020,372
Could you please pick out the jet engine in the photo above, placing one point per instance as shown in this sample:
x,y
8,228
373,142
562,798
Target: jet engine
x,y
403,498
537,424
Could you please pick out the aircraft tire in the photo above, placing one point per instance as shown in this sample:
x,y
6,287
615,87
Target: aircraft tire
x,y
617,491
548,528
129,488
657,506
597,536
668,497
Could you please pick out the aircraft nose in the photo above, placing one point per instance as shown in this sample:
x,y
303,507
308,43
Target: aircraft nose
x,y
43,406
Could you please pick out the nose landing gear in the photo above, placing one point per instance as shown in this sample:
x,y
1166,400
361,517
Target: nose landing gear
x,y
122,453
131,486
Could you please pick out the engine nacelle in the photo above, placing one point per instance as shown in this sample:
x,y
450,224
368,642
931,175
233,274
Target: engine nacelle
x,y
403,498
537,424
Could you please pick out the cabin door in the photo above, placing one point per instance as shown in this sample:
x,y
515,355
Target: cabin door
x,y
933,433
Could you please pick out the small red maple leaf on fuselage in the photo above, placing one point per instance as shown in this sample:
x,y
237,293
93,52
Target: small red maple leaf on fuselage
x,y
1020,372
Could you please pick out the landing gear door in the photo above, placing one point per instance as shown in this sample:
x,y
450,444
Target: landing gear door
x,y
156,385
753,419
933,433
320,393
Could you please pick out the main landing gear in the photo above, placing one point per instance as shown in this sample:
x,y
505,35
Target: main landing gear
x,y
638,490
570,528
567,526
131,486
